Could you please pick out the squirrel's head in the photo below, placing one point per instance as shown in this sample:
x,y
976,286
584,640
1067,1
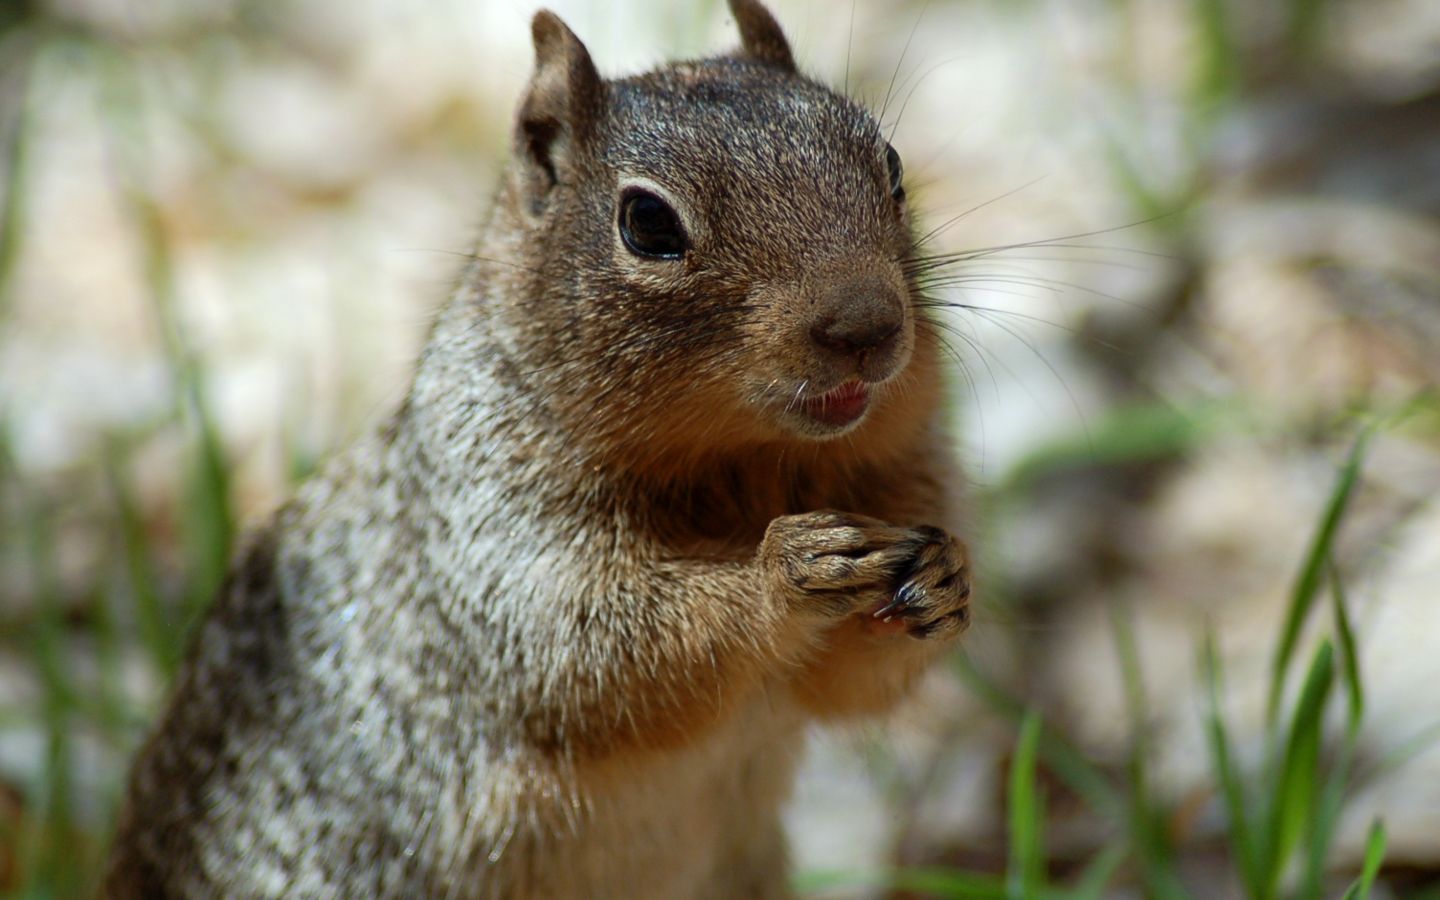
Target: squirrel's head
x,y
719,245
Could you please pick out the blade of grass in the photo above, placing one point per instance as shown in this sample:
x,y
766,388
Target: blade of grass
x,y
1324,821
1410,748
154,618
212,519
1135,433
1243,844
1098,872
1218,67
51,865
108,701
1148,828
1312,570
942,883
17,156
1337,782
1304,28
1349,658
1026,874
1159,203
1059,756
210,522
1374,856
1295,797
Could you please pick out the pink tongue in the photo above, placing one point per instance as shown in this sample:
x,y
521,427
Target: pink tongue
x,y
840,406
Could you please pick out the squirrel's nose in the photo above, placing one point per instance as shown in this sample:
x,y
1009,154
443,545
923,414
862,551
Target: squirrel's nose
x,y
858,325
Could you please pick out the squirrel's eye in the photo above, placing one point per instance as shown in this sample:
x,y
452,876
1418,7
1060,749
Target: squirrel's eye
x,y
649,226
897,173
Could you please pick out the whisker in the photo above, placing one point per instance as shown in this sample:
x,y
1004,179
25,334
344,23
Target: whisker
x,y
915,86
980,353
1055,286
849,40
937,330
1083,260
1067,242
799,392
1035,351
467,255
981,279
942,227
901,61
970,307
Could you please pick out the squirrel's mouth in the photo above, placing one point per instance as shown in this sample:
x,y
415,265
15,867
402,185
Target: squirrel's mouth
x,y
840,406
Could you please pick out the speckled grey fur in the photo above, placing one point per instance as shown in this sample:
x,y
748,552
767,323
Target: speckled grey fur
x,y
556,629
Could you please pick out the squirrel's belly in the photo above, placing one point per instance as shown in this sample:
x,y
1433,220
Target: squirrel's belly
x,y
702,821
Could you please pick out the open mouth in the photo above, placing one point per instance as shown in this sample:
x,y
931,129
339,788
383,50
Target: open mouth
x,y
838,406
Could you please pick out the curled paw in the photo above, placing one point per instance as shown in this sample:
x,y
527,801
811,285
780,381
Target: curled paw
x,y
835,563
930,593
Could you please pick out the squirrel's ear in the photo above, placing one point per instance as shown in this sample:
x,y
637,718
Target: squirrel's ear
x,y
558,116
760,34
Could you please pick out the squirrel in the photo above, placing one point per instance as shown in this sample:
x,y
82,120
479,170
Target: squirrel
x,y
671,482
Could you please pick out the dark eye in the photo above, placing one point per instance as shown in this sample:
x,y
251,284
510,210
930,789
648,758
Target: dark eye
x,y
897,173
649,226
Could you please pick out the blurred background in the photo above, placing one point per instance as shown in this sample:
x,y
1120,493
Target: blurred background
x,y
1197,335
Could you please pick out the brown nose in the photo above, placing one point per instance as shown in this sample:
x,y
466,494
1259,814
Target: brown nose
x,y
855,321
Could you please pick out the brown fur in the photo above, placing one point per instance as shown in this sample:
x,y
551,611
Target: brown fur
x,y
557,629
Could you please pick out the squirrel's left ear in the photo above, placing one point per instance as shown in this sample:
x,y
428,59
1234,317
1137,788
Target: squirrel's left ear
x,y
760,34
562,106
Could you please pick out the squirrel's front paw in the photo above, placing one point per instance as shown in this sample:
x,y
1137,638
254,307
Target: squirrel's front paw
x,y
835,563
931,597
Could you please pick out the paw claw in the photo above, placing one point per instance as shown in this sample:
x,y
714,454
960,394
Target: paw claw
x,y
838,564
910,594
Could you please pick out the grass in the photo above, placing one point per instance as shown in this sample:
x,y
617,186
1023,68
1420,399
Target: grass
x,y
139,603
1280,816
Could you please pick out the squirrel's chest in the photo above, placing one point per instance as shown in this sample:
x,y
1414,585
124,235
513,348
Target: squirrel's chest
x,y
666,824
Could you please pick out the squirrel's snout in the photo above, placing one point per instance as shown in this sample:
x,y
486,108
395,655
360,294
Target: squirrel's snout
x,y
861,320
855,335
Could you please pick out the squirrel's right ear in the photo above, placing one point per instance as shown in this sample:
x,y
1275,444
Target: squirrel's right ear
x,y
760,34
558,116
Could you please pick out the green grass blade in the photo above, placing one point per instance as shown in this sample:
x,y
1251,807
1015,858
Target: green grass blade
x,y
16,154
1243,844
1026,875
1060,757
212,521
1324,822
1327,817
1148,826
1409,748
1137,706
931,882
153,617
1305,28
1138,432
1312,572
52,868
1218,63
1098,872
1374,856
1349,658
108,699
1296,794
